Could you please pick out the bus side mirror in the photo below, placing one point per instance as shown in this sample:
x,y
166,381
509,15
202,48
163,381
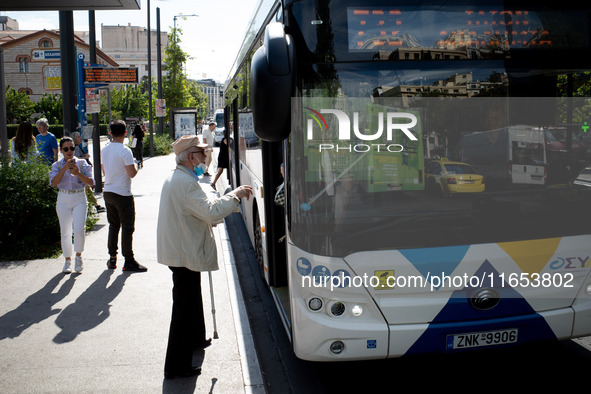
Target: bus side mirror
x,y
271,84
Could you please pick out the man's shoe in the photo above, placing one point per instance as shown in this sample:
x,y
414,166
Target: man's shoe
x,y
67,267
207,174
78,264
193,371
112,263
100,208
203,345
134,266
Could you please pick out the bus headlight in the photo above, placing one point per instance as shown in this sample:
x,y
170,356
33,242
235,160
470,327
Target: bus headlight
x,y
337,308
337,347
588,290
315,304
357,310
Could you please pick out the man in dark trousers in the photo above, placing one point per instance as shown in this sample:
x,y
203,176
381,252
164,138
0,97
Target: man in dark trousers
x,y
118,167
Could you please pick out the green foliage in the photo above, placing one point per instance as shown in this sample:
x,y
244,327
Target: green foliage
x,y
50,106
29,222
176,89
18,105
27,212
128,101
162,145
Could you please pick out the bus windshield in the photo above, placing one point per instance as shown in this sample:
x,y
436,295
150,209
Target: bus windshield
x,y
471,105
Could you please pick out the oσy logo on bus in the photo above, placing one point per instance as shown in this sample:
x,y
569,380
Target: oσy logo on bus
x,y
344,130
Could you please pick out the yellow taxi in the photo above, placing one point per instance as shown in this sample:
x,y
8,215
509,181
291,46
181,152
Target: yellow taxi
x,y
451,177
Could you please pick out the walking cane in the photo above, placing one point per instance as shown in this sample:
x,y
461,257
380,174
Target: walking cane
x,y
215,329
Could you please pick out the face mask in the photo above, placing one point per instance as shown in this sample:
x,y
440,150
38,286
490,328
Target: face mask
x,y
198,170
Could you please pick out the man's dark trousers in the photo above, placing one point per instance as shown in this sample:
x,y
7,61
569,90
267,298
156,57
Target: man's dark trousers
x,y
187,326
120,214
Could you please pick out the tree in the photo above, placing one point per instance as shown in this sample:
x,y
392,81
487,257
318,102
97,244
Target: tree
x,y
50,106
129,101
175,87
19,106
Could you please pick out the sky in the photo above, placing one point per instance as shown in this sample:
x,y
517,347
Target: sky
x,y
212,39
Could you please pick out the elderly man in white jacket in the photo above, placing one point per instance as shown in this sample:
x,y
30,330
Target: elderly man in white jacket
x,y
186,244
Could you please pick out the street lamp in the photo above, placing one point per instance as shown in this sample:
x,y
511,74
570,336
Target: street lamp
x,y
183,16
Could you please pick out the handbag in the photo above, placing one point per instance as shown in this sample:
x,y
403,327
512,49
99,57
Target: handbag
x,y
133,143
280,195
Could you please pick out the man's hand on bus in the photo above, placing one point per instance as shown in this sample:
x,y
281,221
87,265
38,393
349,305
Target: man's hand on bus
x,y
243,191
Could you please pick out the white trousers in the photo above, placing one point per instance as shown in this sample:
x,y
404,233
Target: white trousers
x,y
71,211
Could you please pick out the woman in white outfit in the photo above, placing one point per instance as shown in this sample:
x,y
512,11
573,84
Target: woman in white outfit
x,y
70,175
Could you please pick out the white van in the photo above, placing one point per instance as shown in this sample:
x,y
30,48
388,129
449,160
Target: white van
x,y
510,155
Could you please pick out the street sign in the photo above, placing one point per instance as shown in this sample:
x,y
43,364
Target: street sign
x,y
46,54
160,108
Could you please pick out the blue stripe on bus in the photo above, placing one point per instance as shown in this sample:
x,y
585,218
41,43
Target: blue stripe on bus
x,y
459,316
436,261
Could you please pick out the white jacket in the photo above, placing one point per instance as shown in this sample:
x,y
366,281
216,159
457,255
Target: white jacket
x,y
184,233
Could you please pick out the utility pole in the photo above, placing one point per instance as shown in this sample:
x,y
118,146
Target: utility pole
x,y
151,128
96,137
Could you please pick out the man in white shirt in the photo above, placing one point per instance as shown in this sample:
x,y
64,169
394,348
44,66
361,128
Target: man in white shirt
x,y
208,139
119,167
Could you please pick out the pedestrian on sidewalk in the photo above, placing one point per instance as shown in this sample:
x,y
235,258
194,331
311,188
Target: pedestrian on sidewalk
x,y
223,161
118,168
208,139
81,152
71,175
23,146
138,134
185,243
46,142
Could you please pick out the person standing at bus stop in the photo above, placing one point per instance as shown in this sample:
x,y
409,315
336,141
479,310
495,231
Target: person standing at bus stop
x,y
46,142
208,139
186,244
118,167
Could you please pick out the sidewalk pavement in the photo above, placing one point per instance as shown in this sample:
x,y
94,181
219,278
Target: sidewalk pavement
x,y
106,330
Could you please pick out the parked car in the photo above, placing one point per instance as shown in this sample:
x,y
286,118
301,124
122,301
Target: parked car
x,y
451,177
583,178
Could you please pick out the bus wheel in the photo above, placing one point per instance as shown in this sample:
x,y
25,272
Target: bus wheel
x,y
258,245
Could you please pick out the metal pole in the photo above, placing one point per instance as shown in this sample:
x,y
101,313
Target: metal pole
x,y
159,64
150,85
175,41
96,138
68,64
3,120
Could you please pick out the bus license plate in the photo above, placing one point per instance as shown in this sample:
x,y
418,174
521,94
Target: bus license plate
x,y
479,339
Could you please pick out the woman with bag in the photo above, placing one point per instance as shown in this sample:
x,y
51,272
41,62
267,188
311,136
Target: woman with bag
x,y
71,175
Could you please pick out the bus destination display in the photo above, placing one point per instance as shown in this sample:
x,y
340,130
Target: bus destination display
x,y
381,29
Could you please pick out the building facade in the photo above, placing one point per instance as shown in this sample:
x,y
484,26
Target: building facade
x,y
215,95
32,60
128,46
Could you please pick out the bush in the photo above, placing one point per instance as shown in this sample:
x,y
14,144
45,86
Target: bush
x,y
162,145
29,226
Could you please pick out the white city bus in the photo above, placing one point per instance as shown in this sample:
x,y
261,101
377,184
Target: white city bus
x,y
362,261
